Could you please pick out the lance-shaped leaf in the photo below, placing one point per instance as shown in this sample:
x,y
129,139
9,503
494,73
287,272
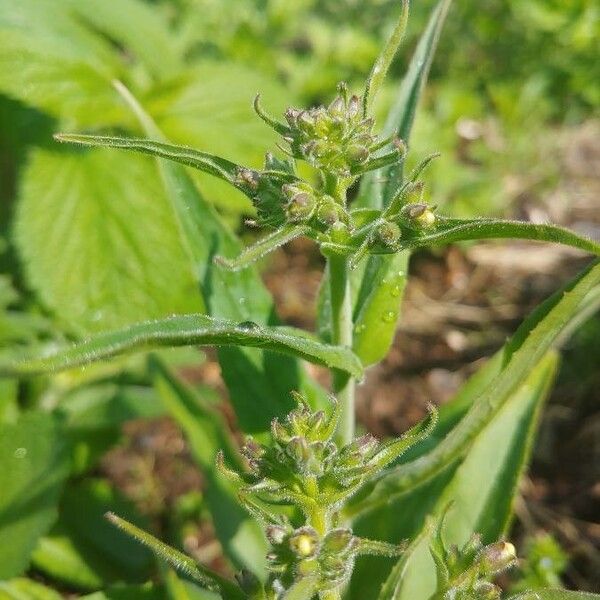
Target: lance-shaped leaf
x,y
536,336
186,330
203,161
182,563
384,60
448,230
378,187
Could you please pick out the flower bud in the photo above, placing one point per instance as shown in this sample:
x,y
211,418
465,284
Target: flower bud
x,y
247,178
302,201
419,214
337,108
276,534
328,211
337,540
485,590
353,106
357,153
304,542
291,114
496,557
388,234
298,449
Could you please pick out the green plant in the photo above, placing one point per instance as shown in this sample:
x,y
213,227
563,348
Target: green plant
x,y
322,495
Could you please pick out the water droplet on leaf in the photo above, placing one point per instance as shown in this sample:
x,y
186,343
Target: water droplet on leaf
x,y
389,316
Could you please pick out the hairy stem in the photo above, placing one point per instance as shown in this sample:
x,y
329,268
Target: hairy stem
x,y
341,334
330,595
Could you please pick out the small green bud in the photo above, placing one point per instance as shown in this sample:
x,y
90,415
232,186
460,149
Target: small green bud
x,y
420,215
337,540
298,449
304,542
388,234
301,201
247,178
357,154
328,211
337,108
497,557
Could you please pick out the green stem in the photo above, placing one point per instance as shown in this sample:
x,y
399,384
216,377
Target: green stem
x,y
330,595
341,334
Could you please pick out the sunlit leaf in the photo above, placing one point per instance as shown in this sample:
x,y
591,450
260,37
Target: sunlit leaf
x,y
186,330
99,242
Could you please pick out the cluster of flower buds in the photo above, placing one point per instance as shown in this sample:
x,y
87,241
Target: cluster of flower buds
x,y
466,573
305,469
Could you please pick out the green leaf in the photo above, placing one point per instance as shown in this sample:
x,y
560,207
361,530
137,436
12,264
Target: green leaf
x,y
34,466
377,188
82,549
179,589
205,430
377,307
203,161
182,563
112,254
448,230
530,343
26,589
555,595
51,61
185,330
384,60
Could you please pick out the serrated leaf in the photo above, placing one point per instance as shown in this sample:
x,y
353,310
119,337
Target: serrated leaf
x,y
186,330
112,254
34,466
242,539
448,230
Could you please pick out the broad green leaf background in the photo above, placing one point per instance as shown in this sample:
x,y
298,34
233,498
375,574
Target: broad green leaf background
x,y
34,466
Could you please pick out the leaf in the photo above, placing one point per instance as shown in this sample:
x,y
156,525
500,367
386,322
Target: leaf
x,y
448,230
179,589
26,589
82,549
530,343
203,161
384,60
377,307
205,430
185,330
374,193
182,563
481,489
33,468
112,254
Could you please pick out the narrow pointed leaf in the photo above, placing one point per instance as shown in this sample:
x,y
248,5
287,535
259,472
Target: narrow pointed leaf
x,y
378,187
182,563
448,230
186,330
203,161
384,60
